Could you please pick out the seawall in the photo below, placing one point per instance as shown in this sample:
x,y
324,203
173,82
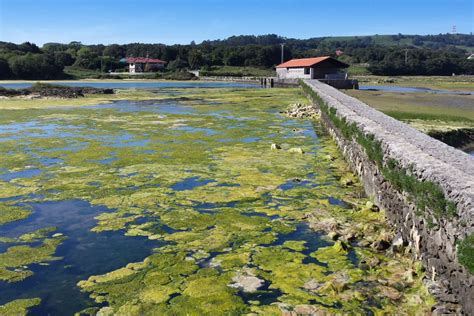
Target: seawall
x,y
425,186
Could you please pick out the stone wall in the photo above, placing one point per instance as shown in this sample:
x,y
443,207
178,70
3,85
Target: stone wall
x,y
429,237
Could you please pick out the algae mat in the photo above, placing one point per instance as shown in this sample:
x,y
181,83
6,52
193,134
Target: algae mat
x,y
178,206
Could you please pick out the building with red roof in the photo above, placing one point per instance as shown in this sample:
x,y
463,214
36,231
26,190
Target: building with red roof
x,y
144,64
324,67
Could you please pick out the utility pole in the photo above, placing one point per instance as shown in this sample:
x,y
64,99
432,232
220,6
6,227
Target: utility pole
x,y
282,52
406,56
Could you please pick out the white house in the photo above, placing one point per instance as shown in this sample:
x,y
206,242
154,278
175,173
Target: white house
x,y
142,64
324,67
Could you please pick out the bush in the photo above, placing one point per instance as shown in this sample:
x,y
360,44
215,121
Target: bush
x,y
35,66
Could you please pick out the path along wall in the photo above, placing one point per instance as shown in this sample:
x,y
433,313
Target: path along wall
x,y
425,186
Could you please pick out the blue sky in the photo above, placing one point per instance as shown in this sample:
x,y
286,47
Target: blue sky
x,y
181,21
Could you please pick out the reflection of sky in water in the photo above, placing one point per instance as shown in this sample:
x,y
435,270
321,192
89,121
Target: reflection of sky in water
x,y
191,129
37,129
155,106
85,253
413,90
27,173
190,183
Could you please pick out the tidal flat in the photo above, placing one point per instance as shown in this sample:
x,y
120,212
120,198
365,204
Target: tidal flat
x,y
172,202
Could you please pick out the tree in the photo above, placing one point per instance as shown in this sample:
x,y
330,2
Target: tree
x,y
86,58
63,59
5,72
178,64
35,66
195,59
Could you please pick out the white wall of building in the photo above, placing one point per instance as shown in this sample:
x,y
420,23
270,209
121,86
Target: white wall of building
x,y
293,73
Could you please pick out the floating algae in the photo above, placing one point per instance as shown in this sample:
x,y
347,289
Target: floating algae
x,y
219,209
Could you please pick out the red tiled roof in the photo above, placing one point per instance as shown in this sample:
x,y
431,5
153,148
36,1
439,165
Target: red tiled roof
x,y
143,60
308,62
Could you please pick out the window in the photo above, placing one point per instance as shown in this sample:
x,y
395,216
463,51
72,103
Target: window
x,y
306,71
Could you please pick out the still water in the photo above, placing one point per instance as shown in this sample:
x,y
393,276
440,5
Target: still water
x,y
413,90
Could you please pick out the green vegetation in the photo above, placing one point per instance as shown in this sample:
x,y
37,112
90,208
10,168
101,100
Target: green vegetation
x,y
441,54
461,83
19,307
14,262
10,213
425,111
201,178
466,252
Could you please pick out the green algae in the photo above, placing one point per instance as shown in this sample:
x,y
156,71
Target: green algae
x,y
214,230
14,262
10,213
18,307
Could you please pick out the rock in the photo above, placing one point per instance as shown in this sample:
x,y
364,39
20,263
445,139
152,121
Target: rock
x,y
340,282
275,146
409,275
299,110
313,285
398,244
380,245
390,292
105,311
334,235
297,150
308,310
246,282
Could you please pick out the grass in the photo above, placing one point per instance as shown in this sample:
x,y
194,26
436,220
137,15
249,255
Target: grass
x,y
462,83
81,73
358,70
424,106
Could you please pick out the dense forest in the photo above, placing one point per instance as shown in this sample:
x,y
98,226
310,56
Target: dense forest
x,y
442,54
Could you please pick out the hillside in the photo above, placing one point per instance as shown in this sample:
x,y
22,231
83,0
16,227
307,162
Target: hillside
x,y
392,55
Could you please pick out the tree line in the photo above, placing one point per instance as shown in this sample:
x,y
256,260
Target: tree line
x,y
442,54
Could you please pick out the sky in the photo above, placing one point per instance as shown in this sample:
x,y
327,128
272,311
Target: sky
x,y
183,21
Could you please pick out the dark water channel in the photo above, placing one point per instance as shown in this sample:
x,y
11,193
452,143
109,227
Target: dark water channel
x,y
84,253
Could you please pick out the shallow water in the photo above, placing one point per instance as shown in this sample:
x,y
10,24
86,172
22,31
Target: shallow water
x,y
413,90
85,253
198,178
